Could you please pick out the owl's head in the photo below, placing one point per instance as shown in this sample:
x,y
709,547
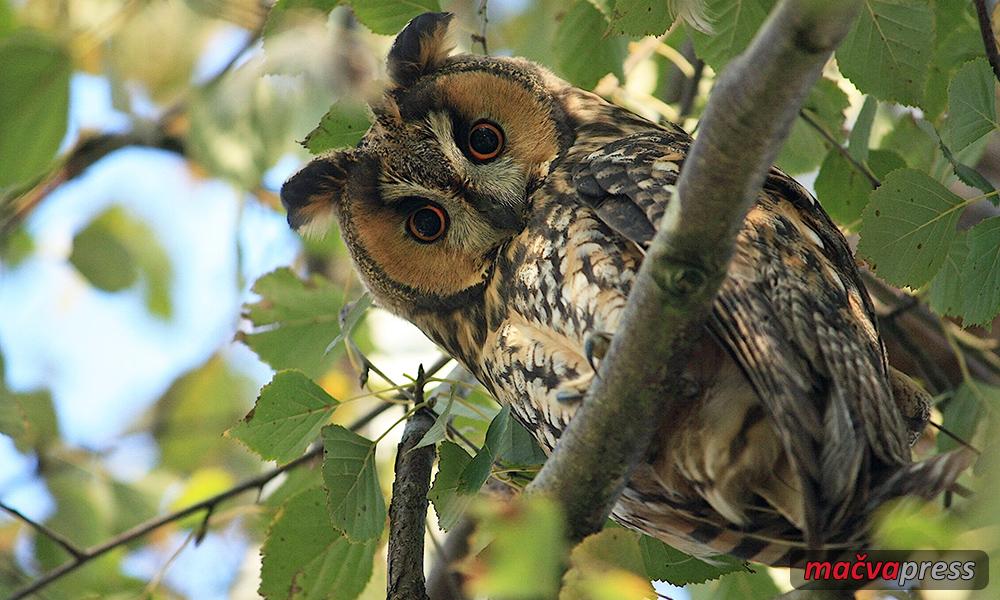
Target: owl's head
x,y
443,177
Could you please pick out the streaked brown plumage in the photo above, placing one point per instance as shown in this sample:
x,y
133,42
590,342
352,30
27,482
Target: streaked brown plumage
x,y
790,435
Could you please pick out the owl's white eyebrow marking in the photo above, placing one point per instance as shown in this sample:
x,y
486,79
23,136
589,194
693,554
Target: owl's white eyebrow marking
x,y
441,126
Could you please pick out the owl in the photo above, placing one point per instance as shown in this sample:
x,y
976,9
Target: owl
x,y
506,213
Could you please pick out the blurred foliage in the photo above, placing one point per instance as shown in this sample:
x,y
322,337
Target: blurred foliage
x,y
899,128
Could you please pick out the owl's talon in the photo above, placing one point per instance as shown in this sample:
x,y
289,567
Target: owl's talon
x,y
568,396
595,347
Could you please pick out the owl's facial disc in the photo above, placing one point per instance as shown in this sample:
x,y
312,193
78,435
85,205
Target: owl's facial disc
x,y
443,178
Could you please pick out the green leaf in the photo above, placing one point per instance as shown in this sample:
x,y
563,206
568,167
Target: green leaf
x,y
101,256
357,311
389,16
664,563
641,17
449,503
805,146
734,23
355,499
187,426
342,125
972,111
616,547
947,293
15,247
907,227
969,176
519,447
584,52
746,586
908,139
841,188
611,549
963,412
14,421
288,415
857,145
981,273
516,569
957,44
887,52
478,470
882,162
304,558
294,322
34,102
115,248
437,430
281,7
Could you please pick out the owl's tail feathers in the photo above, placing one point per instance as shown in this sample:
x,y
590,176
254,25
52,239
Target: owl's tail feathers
x,y
927,478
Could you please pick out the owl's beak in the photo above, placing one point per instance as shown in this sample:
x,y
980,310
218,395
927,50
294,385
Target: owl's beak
x,y
500,216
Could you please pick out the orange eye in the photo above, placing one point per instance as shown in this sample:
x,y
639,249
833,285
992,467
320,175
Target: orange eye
x,y
428,223
485,141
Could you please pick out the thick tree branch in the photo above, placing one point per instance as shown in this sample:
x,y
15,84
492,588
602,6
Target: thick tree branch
x,y
408,507
748,117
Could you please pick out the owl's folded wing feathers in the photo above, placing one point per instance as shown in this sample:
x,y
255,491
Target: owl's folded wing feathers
x,y
792,313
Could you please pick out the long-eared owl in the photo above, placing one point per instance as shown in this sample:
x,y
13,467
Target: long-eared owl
x,y
505,213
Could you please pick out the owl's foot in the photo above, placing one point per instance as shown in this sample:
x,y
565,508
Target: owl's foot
x,y
913,402
595,346
574,390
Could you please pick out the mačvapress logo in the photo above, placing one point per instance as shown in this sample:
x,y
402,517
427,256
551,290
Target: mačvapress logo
x,y
896,569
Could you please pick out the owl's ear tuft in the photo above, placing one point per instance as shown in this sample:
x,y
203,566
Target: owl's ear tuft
x,y
419,48
310,195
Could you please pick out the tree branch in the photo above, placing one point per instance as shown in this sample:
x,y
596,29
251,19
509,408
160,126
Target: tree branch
x,y
82,557
408,506
989,39
55,536
749,115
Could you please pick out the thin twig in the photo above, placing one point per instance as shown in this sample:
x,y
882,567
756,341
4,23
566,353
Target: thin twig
x,y
480,38
859,166
55,536
989,39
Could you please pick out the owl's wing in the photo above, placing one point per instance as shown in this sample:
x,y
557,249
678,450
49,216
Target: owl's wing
x,y
792,313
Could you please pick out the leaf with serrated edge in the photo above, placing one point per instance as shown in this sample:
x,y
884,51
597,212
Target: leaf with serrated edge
x,y
972,111
946,294
305,558
887,52
294,321
857,145
981,275
477,471
389,16
664,563
288,415
907,227
436,432
449,503
355,498
341,126
734,23
582,50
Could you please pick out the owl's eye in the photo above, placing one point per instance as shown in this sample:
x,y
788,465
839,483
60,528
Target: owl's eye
x,y
428,223
485,141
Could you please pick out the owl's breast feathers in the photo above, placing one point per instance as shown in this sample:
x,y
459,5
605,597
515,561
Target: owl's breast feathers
x,y
791,428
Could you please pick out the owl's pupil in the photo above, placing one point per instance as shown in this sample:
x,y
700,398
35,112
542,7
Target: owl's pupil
x,y
427,224
484,140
